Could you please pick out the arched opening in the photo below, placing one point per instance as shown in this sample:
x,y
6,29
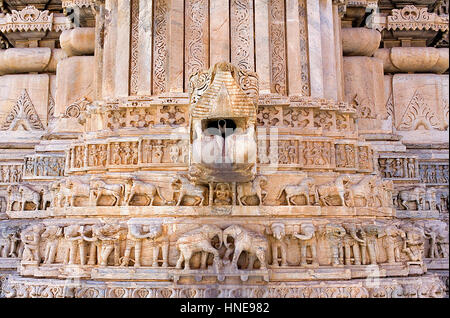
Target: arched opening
x,y
221,127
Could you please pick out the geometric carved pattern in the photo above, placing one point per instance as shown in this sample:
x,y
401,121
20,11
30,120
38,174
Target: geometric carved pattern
x,y
23,115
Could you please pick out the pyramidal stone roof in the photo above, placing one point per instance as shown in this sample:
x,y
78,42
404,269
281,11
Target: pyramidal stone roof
x,y
224,98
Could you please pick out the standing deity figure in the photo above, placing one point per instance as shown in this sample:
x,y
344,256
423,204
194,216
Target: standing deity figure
x,y
73,235
411,168
308,240
115,154
352,244
31,238
278,231
51,235
398,168
88,234
392,242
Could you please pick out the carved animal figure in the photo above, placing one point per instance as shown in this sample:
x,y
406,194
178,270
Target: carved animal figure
x,y
415,195
74,188
101,188
13,197
199,240
47,198
307,239
245,240
29,195
278,233
334,234
362,189
336,187
430,198
302,189
134,187
188,189
249,189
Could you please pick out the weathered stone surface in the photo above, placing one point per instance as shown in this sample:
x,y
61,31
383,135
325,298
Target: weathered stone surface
x,y
78,41
228,148
360,41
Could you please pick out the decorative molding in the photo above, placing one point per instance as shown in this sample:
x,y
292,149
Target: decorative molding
x,y
277,35
411,18
31,19
23,114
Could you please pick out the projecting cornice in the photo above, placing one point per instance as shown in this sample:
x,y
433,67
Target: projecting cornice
x,y
411,18
32,19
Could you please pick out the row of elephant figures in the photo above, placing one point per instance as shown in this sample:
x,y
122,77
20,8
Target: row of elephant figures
x,y
346,244
369,191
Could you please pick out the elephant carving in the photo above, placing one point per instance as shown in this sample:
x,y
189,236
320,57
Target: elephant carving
x,y
199,240
307,239
244,240
334,234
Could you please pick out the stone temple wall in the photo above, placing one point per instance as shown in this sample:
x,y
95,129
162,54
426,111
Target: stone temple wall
x,y
224,148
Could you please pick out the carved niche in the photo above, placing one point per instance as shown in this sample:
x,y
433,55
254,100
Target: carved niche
x,y
223,110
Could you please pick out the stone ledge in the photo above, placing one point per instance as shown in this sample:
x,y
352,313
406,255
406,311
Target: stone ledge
x,y
272,274
427,286
173,211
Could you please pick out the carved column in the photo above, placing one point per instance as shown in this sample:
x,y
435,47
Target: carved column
x,y
122,63
176,46
99,45
315,47
278,76
196,37
110,38
141,47
242,36
330,76
262,46
219,31
161,46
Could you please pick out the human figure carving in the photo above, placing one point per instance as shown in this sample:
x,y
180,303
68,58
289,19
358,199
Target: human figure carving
x,y
73,235
31,238
51,235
